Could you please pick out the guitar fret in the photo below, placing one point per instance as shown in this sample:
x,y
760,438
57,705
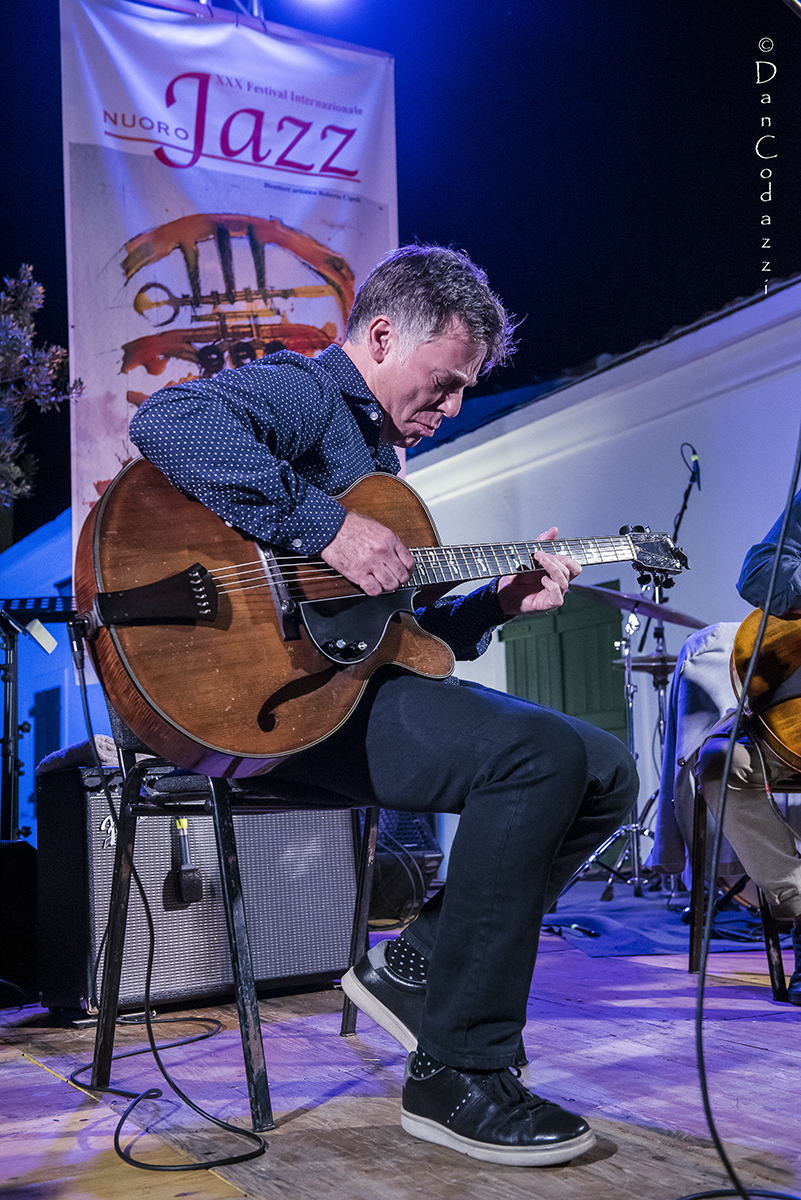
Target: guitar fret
x,y
481,562
452,564
513,560
421,574
591,551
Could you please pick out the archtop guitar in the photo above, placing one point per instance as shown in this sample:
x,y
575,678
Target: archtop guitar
x,y
774,693
225,656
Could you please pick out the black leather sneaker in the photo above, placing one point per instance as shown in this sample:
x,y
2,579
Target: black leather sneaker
x,y
490,1115
393,1003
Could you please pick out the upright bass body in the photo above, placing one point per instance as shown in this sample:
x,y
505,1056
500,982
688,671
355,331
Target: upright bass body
x,y
236,693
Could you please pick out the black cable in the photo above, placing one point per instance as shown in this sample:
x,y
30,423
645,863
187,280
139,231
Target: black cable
x,y
748,1196
199,1037
151,1093
418,884
738,1190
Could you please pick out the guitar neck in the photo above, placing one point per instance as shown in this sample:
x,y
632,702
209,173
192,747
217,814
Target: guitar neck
x,y
455,564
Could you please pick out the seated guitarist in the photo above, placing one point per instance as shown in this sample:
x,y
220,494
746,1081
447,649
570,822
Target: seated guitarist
x,y
267,446
763,841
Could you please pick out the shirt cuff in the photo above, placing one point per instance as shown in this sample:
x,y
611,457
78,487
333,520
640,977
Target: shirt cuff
x,y
312,524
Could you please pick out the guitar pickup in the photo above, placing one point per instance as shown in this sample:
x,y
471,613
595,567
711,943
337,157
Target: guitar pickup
x,y
180,599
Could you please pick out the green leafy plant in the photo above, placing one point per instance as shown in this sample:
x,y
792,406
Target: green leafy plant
x,y
27,375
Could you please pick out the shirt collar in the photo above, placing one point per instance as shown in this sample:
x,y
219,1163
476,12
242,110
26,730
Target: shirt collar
x,y
345,374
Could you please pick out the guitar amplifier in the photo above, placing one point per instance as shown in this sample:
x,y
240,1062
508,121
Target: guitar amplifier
x,y
298,883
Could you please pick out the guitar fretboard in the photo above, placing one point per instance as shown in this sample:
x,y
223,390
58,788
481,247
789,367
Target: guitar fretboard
x,y
450,564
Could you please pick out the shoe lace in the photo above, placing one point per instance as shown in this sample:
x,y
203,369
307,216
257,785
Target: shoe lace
x,y
512,1091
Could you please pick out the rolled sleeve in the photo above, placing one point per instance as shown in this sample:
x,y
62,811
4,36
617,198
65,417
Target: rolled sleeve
x,y
755,576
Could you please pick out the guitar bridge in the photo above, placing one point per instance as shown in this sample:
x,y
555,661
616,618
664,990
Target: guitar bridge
x,y
180,599
286,608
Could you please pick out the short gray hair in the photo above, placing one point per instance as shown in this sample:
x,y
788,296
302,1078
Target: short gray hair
x,y
425,290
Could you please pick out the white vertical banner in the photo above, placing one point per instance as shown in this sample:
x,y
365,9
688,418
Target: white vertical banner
x,y
228,184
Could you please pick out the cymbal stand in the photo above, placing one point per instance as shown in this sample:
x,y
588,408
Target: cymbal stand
x,y
660,674
635,829
632,830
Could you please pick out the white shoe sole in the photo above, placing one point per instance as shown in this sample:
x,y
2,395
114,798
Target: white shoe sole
x,y
510,1156
366,1002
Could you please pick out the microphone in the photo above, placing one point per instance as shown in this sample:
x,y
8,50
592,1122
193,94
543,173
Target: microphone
x,y
694,464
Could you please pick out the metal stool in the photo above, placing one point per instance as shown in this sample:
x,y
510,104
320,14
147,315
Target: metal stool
x,y
179,795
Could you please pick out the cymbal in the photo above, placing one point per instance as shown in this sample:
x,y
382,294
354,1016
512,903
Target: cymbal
x,y
655,664
639,604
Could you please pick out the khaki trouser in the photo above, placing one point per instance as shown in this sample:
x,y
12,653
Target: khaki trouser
x,y
761,838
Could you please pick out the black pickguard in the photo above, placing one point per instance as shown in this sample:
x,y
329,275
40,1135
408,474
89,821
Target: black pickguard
x,y
349,630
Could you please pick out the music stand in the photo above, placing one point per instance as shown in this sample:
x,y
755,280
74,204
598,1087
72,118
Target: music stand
x,y
27,617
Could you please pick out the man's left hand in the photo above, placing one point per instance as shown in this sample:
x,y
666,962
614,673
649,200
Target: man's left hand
x,y
538,590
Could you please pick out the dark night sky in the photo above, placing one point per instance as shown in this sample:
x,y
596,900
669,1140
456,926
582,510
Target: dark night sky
x,y
595,156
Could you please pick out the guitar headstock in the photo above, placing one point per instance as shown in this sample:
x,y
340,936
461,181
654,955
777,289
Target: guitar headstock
x,y
655,555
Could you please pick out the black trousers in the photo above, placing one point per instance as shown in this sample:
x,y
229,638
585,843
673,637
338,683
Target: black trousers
x,y
536,792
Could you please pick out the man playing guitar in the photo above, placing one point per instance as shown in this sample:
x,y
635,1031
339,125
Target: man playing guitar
x,y
267,447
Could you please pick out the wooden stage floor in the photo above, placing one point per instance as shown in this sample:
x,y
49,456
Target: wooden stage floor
x,y
611,1038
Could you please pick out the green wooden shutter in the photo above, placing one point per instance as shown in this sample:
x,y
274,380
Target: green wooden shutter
x,y
565,660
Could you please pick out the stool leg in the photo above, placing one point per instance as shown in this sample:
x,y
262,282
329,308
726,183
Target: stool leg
x,y
698,871
115,945
241,960
360,937
770,932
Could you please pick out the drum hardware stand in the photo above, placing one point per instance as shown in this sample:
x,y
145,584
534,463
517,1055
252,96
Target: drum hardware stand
x,y
659,666
659,671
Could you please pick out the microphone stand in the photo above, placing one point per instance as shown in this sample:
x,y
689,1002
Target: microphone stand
x,y
660,677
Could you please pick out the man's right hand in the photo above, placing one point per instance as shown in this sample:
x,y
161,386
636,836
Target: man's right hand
x,y
369,555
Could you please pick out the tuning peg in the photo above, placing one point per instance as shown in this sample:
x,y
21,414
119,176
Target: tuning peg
x,y
624,529
668,583
643,579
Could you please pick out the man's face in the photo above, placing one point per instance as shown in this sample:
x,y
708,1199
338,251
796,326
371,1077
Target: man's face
x,y
417,392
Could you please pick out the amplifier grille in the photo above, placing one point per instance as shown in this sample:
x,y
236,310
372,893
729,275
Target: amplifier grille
x,y
298,884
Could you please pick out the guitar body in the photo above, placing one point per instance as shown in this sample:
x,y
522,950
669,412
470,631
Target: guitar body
x,y
232,696
779,658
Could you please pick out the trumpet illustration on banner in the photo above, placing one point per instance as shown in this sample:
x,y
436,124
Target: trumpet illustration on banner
x,y
230,325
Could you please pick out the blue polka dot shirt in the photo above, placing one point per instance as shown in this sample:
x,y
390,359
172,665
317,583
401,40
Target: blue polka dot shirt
x,y
267,446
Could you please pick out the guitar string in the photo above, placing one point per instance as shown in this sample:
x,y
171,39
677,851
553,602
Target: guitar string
x,y
446,556
431,560
253,574
443,555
